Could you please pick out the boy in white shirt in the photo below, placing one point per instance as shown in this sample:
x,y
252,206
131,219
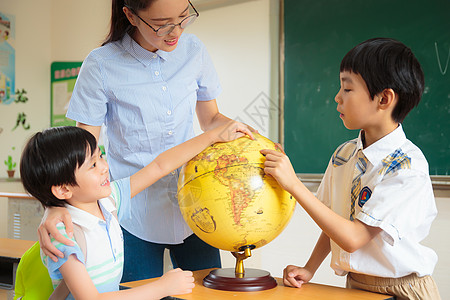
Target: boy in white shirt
x,y
63,167
375,203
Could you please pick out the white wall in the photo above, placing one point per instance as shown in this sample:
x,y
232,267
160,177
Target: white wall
x,y
32,45
78,27
238,38
439,241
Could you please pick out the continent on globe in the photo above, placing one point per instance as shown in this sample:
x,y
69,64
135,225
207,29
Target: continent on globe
x,y
227,199
203,220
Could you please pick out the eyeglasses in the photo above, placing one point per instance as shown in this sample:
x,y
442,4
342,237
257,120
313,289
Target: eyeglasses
x,y
168,28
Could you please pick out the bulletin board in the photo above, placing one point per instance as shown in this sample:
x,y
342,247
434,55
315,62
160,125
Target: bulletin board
x,y
63,78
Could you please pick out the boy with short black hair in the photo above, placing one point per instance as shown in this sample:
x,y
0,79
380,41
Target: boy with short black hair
x,y
63,166
376,199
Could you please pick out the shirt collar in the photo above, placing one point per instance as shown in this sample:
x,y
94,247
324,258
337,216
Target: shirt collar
x,y
384,146
164,55
142,55
87,220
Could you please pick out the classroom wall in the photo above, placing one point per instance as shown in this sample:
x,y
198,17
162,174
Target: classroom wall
x,y
242,40
46,31
78,27
243,44
32,45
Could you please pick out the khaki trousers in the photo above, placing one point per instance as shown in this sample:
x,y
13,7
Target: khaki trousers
x,y
404,288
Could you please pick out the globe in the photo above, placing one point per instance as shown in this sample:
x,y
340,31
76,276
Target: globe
x,y
228,201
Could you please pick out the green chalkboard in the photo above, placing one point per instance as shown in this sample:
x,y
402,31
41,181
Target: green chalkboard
x,y
318,33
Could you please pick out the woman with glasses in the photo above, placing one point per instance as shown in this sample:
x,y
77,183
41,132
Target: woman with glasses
x,y
146,83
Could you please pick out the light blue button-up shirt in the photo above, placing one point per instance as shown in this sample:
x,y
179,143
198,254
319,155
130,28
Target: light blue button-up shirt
x,y
147,102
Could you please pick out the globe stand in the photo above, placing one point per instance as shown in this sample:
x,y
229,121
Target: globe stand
x,y
238,279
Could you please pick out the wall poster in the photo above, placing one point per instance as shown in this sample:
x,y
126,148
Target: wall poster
x,y
63,78
7,58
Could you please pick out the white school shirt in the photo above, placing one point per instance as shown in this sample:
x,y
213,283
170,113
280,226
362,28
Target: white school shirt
x,y
396,196
104,242
147,102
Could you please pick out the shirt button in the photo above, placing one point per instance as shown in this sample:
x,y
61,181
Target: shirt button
x,y
164,88
154,55
156,73
169,112
173,172
170,132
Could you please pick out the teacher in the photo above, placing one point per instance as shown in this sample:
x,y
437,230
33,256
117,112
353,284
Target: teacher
x,y
146,83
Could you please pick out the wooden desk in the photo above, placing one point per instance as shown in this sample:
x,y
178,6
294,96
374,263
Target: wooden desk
x,y
307,291
10,253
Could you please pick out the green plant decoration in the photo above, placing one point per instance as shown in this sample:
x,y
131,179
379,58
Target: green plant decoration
x,y
10,164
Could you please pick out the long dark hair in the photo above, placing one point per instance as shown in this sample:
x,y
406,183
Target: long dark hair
x,y
119,24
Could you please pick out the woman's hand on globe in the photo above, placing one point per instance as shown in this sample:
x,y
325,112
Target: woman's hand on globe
x,y
279,166
232,130
295,276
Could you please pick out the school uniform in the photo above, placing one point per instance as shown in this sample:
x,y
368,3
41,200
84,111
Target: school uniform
x,y
104,242
395,195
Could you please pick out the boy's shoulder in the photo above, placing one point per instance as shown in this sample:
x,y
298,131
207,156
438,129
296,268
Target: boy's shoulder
x,y
344,152
406,156
67,250
393,152
62,229
396,152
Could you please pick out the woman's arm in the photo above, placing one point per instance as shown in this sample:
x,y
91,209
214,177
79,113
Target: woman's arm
x,y
94,130
175,157
209,116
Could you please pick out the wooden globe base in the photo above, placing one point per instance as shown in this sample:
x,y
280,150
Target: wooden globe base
x,y
227,280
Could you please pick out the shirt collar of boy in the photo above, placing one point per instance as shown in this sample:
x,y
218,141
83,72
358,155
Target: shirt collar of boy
x,y
384,146
85,219
142,55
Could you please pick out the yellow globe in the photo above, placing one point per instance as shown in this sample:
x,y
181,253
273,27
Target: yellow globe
x,y
228,200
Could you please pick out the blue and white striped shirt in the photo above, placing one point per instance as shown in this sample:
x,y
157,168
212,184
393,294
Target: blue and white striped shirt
x,y
104,242
147,102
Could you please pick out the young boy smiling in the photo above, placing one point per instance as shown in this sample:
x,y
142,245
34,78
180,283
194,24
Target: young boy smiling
x,y
375,203
63,167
